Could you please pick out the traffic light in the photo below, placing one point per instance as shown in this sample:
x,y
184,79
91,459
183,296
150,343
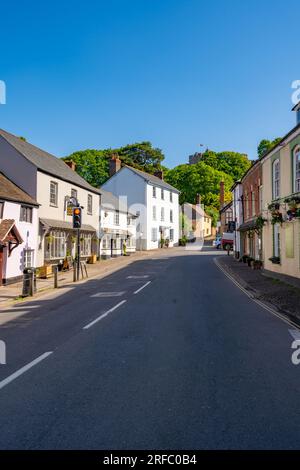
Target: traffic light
x,y
77,217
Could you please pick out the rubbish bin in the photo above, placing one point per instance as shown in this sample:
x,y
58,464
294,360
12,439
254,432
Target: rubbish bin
x,y
29,282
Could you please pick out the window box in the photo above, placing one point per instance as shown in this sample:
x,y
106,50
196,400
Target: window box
x,y
275,259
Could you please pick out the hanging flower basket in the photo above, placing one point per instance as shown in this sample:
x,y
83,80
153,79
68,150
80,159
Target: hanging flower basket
x,y
276,217
259,223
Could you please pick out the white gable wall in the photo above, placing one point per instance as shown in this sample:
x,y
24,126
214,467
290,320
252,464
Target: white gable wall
x,y
14,264
131,188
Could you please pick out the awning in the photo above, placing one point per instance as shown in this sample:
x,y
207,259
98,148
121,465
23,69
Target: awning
x,y
249,225
64,225
9,234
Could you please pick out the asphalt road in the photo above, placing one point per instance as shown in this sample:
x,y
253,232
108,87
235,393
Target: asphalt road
x,y
179,358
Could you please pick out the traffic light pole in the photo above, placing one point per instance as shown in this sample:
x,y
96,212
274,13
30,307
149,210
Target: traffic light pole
x,y
78,255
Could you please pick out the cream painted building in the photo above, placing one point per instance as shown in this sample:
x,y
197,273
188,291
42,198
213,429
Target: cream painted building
x,y
281,206
51,182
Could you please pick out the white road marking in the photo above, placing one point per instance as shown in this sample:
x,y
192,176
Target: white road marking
x,y
86,327
141,288
261,304
109,294
144,276
24,369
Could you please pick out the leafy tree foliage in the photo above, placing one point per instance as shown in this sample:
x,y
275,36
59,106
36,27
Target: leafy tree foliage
x,y
265,145
199,179
233,163
93,165
142,156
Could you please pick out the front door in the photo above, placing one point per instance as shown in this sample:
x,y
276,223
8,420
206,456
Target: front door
x,y
1,264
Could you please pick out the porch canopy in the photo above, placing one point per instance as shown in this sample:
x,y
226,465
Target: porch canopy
x,y
9,234
49,224
249,225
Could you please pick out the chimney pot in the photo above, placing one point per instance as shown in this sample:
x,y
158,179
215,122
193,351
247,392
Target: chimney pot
x,y
198,199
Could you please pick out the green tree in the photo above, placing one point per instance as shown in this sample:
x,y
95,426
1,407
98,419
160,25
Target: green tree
x,y
141,155
233,163
266,145
202,179
93,165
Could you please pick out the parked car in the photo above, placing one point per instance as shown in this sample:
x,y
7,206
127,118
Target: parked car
x,y
217,242
227,241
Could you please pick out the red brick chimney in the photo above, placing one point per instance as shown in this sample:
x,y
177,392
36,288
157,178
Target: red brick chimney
x,y
114,164
222,194
198,199
159,174
71,164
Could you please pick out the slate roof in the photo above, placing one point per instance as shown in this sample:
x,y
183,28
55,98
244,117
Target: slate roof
x,y
9,191
110,201
63,225
152,179
46,162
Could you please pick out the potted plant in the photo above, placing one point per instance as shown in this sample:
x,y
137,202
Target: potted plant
x,y
167,242
182,241
249,261
257,264
162,242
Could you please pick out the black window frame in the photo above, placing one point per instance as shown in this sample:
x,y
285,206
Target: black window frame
x,y
26,210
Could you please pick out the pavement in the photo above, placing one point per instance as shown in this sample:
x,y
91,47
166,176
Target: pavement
x,y
280,292
165,353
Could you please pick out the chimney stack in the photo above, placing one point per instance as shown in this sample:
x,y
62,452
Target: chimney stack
x,y
222,194
198,199
114,164
71,164
159,174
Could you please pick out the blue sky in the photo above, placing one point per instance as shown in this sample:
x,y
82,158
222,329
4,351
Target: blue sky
x,y
179,73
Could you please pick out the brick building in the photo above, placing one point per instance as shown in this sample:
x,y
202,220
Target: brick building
x,y
251,200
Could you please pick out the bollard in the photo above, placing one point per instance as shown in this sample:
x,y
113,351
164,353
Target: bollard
x,y
74,271
55,277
